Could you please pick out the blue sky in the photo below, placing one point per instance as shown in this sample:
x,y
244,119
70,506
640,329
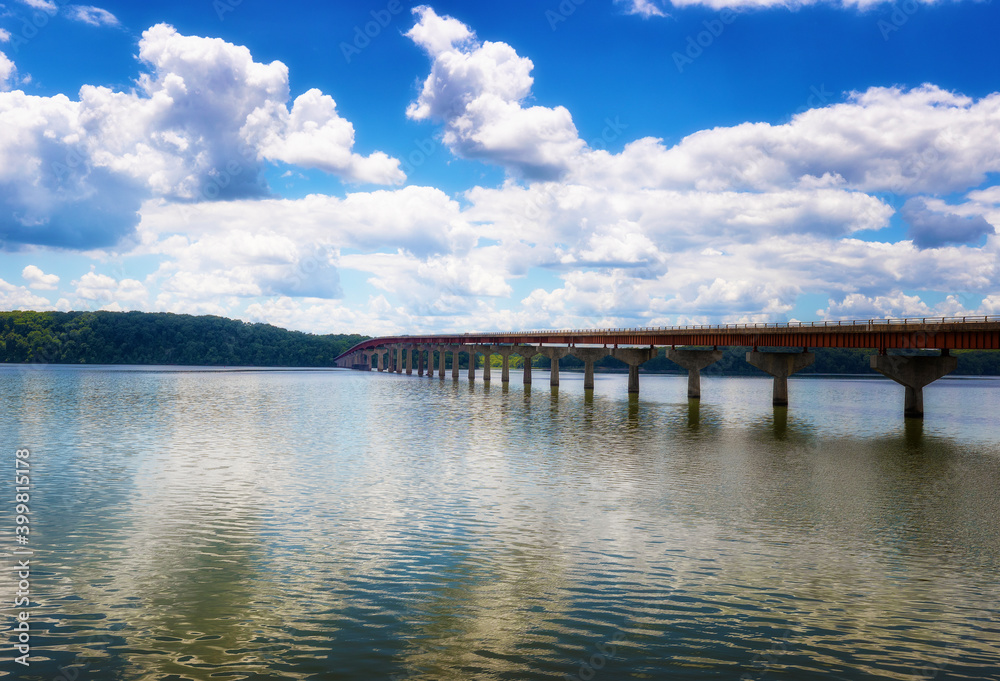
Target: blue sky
x,y
382,167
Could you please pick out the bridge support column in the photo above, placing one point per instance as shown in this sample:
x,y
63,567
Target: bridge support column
x,y
471,349
420,360
399,359
505,351
781,365
633,357
914,373
527,352
589,356
442,351
454,361
410,349
380,358
487,355
694,361
554,355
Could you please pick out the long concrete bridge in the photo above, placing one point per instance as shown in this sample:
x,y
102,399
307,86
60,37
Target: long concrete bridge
x,y
696,347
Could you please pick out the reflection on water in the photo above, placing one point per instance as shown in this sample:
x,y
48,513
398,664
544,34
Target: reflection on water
x,y
336,525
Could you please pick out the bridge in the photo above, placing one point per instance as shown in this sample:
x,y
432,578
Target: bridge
x,y
779,349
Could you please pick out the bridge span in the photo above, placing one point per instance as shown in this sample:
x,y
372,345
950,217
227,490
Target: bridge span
x,y
786,350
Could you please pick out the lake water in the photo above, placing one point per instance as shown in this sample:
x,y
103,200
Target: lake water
x,y
343,525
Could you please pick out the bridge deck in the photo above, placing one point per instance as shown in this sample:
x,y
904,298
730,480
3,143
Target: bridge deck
x,y
953,333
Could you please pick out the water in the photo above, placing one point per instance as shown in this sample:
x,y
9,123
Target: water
x,y
339,525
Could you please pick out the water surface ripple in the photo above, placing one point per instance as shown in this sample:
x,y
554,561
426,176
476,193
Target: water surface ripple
x,y
338,525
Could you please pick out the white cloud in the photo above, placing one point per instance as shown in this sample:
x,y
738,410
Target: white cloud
x,y
4,35
312,135
74,173
892,305
477,90
95,16
20,298
248,249
37,279
7,72
881,140
376,315
120,294
643,8
44,5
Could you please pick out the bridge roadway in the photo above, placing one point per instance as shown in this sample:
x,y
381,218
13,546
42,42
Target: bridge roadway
x,y
686,346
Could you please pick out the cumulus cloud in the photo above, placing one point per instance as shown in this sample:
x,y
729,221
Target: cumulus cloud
x,y
905,141
200,127
95,16
313,135
37,279
291,248
7,71
111,293
50,192
4,35
882,140
477,91
20,298
859,306
931,229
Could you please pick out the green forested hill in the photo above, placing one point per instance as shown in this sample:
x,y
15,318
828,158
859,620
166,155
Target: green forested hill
x,y
159,338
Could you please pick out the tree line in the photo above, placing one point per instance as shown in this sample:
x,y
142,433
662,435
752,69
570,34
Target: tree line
x,y
160,338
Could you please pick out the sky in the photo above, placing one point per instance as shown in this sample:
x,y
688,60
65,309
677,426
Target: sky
x,y
388,167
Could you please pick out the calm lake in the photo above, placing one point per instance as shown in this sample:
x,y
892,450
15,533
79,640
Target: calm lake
x,y
199,524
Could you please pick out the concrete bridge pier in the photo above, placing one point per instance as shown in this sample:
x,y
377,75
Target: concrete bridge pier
x,y
505,351
781,365
380,358
694,361
454,360
527,352
487,354
589,356
442,350
431,349
471,349
914,373
633,357
554,355
420,359
410,349
399,359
